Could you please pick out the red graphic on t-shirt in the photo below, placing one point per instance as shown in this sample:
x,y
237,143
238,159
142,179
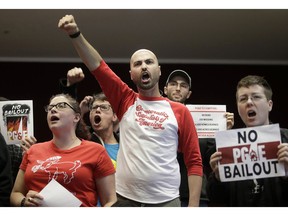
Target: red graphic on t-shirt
x,y
150,118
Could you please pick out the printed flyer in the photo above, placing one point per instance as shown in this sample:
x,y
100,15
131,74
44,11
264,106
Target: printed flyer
x,y
16,120
208,119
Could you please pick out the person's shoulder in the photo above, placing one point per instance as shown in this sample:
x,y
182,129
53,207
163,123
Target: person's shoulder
x,y
176,104
40,147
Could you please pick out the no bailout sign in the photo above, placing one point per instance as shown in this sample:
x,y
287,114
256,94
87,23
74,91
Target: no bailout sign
x,y
16,120
249,153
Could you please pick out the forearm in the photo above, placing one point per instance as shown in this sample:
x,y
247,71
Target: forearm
x,y
195,185
109,198
106,190
86,52
64,88
109,204
16,198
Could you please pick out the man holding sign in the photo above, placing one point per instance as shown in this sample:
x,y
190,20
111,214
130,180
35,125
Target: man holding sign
x,y
249,164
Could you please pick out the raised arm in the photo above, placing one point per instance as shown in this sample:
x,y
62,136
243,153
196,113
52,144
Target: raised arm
x,y
69,85
75,75
87,53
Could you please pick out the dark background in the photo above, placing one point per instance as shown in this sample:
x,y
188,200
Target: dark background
x,y
211,84
216,47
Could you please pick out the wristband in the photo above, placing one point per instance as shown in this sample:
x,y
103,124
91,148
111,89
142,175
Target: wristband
x,y
22,202
75,35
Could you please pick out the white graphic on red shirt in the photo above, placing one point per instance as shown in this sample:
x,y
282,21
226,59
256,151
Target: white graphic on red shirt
x,y
57,169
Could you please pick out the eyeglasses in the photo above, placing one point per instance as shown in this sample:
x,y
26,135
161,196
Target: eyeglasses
x,y
254,97
103,107
59,106
176,84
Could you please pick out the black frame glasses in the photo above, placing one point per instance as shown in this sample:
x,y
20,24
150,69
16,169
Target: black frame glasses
x,y
59,106
254,97
103,107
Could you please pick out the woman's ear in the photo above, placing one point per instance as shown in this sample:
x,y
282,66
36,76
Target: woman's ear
x,y
77,117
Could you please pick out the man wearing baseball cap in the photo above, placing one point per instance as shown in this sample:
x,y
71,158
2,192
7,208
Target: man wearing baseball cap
x,y
178,89
178,86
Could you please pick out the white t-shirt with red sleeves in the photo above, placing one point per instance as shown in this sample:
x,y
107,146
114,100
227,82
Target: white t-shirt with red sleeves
x,y
152,130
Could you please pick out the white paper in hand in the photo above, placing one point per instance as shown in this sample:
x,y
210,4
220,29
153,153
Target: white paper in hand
x,y
55,195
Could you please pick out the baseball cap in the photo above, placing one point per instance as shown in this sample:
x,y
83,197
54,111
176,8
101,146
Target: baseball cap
x,y
181,73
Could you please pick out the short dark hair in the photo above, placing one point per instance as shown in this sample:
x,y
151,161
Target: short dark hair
x,y
256,80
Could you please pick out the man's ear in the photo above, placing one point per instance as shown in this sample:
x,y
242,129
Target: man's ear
x,y
270,105
115,118
130,75
189,94
165,90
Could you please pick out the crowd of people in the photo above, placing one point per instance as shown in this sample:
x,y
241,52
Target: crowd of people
x,y
139,149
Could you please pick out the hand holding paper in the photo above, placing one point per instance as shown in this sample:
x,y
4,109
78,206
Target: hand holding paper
x,y
55,195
